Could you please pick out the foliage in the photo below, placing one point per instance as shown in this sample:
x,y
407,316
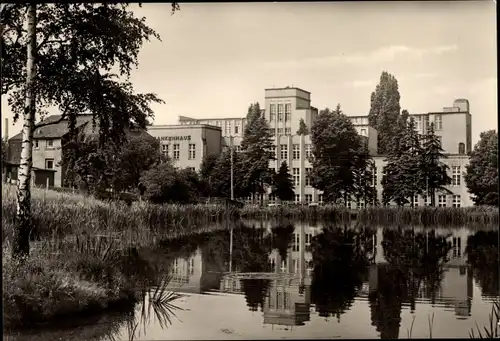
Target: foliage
x,y
302,128
4,152
216,173
77,49
89,165
482,172
384,111
363,187
256,152
96,167
206,168
335,141
401,179
434,173
283,185
164,183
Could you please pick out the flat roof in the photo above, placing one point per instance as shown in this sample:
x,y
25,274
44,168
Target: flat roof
x,y
184,126
288,88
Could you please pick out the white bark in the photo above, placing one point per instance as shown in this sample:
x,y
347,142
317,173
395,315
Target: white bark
x,y
23,217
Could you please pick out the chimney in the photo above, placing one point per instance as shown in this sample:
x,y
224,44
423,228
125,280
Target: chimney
x,y
6,137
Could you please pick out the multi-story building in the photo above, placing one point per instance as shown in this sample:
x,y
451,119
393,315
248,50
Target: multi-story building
x,y
285,107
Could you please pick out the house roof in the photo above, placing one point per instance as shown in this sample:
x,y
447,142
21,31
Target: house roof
x,y
56,130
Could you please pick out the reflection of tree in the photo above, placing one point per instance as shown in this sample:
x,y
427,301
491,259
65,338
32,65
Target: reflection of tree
x,y
281,238
482,254
413,259
255,292
251,249
340,265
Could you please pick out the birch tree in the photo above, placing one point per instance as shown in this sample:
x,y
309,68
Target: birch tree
x,y
80,58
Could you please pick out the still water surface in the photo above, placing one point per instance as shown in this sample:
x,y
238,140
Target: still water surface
x,y
265,280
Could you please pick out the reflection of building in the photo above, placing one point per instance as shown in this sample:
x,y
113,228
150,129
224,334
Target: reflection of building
x,y
186,273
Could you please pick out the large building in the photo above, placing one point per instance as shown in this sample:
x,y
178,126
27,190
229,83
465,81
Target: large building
x,y
285,107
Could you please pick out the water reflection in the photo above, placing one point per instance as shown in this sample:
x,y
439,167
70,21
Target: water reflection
x,y
312,277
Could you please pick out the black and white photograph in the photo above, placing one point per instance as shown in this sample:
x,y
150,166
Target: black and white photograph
x,y
249,170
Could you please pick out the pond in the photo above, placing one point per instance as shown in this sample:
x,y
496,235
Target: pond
x,y
267,280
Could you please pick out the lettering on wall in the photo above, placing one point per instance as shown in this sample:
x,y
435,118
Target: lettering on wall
x,y
174,138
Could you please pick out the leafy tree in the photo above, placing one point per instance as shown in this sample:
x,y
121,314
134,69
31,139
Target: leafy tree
x,y
72,50
302,128
363,187
89,165
402,175
434,173
384,110
282,235
164,184
220,176
256,152
206,168
334,141
4,152
283,185
482,171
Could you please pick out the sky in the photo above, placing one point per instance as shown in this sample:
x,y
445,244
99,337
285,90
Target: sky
x,y
214,59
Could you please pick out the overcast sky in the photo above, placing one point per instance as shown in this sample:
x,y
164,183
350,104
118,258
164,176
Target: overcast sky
x,y
215,59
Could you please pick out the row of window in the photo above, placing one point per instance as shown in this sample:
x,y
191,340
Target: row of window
x,y
288,131
295,151
49,144
176,151
456,200
280,107
423,122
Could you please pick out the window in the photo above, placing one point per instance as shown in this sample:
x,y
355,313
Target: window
x,y
360,203
272,113
297,198
274,152
272,198
418,123
427,200
191,266
50,143
35,144
228,128
415,201
308,176
456,201
49,163
308,239
296,151
442,201
237,148
176,152
426,124
438,122
176,266
309,198
280,112
455,175
320,198
288,131
236,129
280,131
288,112
192,151
349,203
164,149
308,151
461,148
296,176
191,169
363,132
284,151
374,175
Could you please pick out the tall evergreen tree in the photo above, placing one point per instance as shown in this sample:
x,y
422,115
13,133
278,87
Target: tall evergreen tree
x,y
256,152
384,110
482,172
434,173
334,141
283,185
401,179
302,128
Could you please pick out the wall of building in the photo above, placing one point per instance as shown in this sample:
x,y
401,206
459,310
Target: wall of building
x,y
45,152
179,142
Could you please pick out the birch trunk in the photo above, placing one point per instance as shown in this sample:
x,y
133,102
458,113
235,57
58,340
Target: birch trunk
x,y
21,244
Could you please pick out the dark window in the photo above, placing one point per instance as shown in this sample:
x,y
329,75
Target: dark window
x,y
461,148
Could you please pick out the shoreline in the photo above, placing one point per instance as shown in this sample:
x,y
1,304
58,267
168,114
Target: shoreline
x,y
85,261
